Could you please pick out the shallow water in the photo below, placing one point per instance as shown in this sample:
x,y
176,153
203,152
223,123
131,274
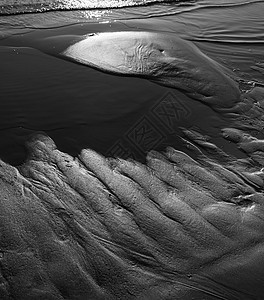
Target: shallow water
x,y
81,107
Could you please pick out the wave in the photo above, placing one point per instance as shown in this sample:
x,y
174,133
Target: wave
x,y
30,6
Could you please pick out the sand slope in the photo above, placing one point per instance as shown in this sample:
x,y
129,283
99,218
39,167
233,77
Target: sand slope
x,y
164,58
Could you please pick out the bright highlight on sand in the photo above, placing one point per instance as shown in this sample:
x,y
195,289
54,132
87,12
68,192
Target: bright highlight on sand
x,y
162,58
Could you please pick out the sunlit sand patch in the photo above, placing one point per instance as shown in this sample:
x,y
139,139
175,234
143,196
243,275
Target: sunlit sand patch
x,y
163,58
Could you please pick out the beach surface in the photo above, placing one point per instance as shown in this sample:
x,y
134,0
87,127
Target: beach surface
x,y
132,150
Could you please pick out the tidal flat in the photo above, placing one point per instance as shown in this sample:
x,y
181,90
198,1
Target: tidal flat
x,y
132,142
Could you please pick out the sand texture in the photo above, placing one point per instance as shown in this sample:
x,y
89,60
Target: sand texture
x,y
163,58
132,152
102,228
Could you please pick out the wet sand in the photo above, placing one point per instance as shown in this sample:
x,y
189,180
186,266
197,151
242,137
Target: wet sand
x,y
174,212
70,101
